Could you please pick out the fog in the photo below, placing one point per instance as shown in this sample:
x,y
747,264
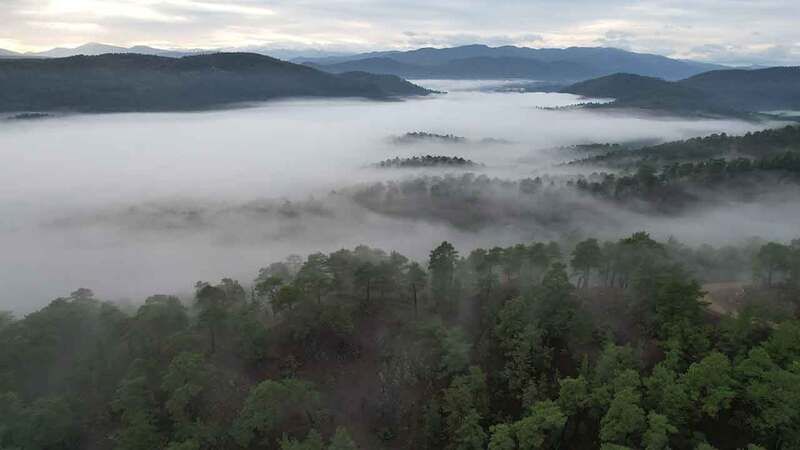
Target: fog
x,y
131,205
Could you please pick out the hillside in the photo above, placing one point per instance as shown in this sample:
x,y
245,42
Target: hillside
x,y
131,82
481,61
751,90
718,92
389,85
635,91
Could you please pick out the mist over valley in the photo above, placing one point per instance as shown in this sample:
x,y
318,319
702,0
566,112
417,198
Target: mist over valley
x,y
128,203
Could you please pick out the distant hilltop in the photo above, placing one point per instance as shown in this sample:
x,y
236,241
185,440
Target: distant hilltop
x,y
422,136
418,137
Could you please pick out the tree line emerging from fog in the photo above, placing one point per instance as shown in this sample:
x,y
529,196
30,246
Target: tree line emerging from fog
x,y
678,183
756,145
426,161
415,137
583,344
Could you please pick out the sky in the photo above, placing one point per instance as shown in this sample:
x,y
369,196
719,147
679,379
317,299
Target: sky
x,y
722,31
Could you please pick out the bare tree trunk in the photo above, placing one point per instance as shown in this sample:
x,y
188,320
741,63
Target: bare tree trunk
x,y
213,339
414,289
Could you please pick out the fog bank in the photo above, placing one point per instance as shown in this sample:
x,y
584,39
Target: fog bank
x,y
135,204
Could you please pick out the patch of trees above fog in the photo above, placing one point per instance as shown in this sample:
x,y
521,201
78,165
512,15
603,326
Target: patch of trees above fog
x,y
426,161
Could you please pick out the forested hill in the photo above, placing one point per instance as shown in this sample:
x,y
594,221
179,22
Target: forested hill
x,y
131,82
750,90
719,91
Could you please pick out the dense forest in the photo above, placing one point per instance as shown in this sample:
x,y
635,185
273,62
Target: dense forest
x,y
582,344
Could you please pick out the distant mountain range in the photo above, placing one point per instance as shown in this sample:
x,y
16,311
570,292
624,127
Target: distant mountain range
x,y
484,62
132,82
94,49
719,91
465,62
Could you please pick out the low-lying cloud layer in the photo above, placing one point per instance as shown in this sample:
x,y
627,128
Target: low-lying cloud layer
x,y
133,204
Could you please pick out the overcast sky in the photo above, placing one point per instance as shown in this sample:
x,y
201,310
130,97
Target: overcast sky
x,y
725,31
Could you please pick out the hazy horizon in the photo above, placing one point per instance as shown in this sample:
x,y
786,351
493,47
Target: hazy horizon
x,y
676,28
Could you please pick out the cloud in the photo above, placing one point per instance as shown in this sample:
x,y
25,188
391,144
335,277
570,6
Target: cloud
x,y
748,54
711,30
619,39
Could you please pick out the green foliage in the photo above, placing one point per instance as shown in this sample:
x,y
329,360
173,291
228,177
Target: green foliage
x,y
190,444
470,434
772,393
772,259
465,403
455,351
541,428
586,256
286,298
269,404
442,351
658,432
625,419
573,395
314,277
502,437
554,304
784,344
710,384
135,403
157,325
341,441
185,381
49,423
441,265
666,393
312,442
6,319
676,315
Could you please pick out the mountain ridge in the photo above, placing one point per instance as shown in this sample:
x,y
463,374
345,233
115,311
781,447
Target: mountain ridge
x,y
587,62
450,62
131,82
